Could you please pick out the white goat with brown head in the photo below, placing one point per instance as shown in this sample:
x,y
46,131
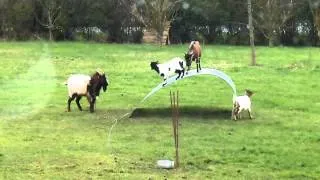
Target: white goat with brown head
x,y
242,103
83,85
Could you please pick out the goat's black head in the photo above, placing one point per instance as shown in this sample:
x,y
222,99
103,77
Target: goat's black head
x,y
154,66
98,81
249,92
104,82
187,57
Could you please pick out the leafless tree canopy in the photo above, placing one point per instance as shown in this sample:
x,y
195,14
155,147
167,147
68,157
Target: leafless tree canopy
x,y
287,22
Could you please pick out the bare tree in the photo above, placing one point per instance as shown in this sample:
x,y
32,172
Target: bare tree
x,y
271,15
155,15
51,12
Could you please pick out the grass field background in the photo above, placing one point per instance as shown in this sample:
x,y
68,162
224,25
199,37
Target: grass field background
x,y
39,140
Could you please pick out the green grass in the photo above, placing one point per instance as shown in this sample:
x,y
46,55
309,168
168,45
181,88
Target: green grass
x,y
39,140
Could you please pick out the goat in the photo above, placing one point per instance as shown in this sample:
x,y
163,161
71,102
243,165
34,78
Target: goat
x,y
193,54
83,85
242,103
175,65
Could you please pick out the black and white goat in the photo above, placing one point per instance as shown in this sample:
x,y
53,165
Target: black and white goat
x,y
175,65
83,85
242,103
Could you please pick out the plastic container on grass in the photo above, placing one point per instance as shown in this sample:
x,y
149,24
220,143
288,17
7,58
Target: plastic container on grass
x,y
165,164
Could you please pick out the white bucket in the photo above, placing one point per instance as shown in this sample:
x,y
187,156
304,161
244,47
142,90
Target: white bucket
x,y
165,164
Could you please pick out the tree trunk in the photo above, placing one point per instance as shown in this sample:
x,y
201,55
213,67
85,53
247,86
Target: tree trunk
x,y
50,26
273,39
3,23
251,34
155,37
165,34
317,20
271,42
159,37
50,34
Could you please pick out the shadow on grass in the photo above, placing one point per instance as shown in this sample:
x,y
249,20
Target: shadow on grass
x,y
189,111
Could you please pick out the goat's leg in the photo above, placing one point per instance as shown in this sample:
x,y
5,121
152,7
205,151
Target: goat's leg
x,y
199,63
238,113
164,82
69,101
182,73
249,112
188,69
78,102
197,67
92,103
233,115
179,75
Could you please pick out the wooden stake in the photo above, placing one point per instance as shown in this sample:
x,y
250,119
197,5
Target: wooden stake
x,y
177,131
174,99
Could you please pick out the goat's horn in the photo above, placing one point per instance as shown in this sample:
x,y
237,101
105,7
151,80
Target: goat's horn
x,y
100,71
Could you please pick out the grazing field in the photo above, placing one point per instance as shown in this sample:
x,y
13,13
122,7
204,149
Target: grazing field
x,y
39,140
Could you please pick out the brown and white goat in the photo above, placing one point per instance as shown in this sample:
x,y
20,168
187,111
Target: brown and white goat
x,y
83,85
193,54
242,103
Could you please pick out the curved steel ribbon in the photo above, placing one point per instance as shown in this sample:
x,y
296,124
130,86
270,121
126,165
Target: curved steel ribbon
x,y
203,71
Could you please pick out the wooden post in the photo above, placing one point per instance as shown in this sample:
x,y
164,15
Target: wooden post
x,y
174,99
177,131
